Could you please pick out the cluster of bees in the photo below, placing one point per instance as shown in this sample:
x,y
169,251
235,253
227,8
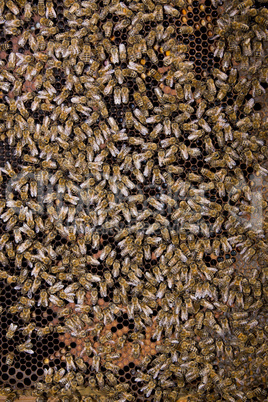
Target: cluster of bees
x,y
167,164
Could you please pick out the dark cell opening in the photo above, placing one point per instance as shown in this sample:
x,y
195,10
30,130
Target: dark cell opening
x,y
27,381
257,106
19,375
4,367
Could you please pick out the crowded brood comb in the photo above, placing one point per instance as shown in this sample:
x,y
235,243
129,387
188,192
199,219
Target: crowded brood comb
x,y
133,205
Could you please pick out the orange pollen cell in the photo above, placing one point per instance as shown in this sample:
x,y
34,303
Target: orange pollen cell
x,y
184,12
101,302
143,61
168,53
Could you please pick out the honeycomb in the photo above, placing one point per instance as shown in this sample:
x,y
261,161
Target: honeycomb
x,y
133,208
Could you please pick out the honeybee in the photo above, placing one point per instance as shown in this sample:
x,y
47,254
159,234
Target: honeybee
x,y
257,89
26,347
125,94
148,388
150,38
48,375
11,331
219,51
96,363
219,74
10,358
12,7
80,364
107,28
132,53
122,52
114,55
211,87
117,96
27,331
70,365
152,55
41,7
223,91
43,300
